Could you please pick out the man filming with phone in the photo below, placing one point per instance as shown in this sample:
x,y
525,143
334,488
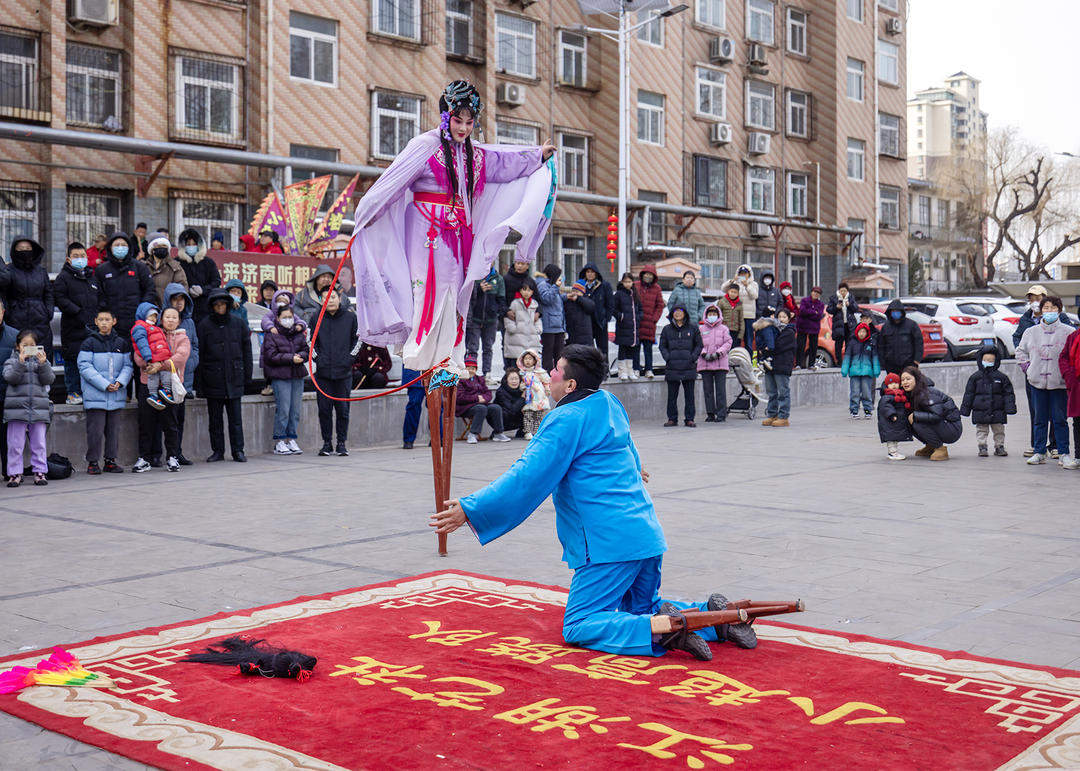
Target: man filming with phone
x,y
487,306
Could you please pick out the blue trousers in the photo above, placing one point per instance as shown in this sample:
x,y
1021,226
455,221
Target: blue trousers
x,y
288,396
1050,414
778,387
610,606
860,390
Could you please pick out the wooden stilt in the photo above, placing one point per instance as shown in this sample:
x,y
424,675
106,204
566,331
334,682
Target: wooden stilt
x,y
440,406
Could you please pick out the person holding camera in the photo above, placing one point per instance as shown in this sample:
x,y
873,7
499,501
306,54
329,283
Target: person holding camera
x,y
27,408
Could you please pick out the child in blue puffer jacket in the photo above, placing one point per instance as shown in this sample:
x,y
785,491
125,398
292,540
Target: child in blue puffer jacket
x,y
862,366
105,369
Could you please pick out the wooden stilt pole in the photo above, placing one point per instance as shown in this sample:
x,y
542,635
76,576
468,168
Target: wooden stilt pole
x,y
440,407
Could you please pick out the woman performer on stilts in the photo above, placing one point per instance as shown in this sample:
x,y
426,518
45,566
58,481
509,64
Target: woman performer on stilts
x,y
426,229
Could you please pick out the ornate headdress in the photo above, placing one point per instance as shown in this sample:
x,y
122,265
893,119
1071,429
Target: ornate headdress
x,y
458,95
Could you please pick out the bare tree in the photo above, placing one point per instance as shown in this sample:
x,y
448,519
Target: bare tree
x,y
1012,204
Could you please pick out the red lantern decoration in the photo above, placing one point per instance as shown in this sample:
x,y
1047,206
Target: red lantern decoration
x,y
613,240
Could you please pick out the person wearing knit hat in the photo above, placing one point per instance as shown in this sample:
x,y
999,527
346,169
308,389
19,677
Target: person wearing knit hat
x,y
164,268
861,365
894,407
578,311
787,298
475,404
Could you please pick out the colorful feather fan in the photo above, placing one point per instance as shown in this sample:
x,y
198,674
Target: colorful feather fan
x,y
61,668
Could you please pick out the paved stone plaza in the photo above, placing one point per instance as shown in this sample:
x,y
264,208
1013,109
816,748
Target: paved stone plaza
x,y
980,554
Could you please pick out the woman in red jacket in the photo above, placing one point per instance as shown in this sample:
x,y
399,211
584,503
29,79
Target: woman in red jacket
x,y
652,306
1069,362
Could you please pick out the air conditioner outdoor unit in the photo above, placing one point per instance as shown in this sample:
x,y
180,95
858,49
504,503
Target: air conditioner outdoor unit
x,y
510,94
759,230
894,26
95,13
719,133
758,143
757,55
721,49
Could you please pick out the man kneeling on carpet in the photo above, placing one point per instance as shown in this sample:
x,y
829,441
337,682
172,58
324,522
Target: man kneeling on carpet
x,y
583,455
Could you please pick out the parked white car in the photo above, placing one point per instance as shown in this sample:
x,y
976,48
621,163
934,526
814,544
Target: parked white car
x,y
1004,315
966,326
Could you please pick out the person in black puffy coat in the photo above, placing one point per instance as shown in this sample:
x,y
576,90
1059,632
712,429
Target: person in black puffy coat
x,y
894,407
989,400
935,419
224,368
628,315
201,270
680,345
511,397
124,282
900,341
578,313
27,291
75,292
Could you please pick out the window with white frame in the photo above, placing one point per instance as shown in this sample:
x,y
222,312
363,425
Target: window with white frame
x,y
657,224
209,103
20,207
650,117
573,160
856,72
759,20
796,31
711,13
515,45
892,5
93,86
710,182
312,48
760,105
400,18
573,49
760,190
798,192
856,159
509,132
19,71
798,114
573,254
653,32
889,134
90,213
854,10
395,119
459,27
207,217
889,202
888,62
712,92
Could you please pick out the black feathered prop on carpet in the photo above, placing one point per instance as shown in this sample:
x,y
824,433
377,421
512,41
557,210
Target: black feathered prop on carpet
x,y
256,657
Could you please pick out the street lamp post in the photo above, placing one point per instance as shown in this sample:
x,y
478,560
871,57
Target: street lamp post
x,y
622,37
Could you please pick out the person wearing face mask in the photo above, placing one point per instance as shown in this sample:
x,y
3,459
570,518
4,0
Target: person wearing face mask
x,y
768,296
1038,354
652,308
27,291
164,269
787,300
284,359
223,373
900,340
282,297
236,288
76,294
200,269
989,400
124,282
1028,319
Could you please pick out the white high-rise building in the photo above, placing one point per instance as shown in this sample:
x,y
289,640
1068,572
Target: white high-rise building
x,y
943,121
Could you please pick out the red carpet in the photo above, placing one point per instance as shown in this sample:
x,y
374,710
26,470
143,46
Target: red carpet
x,y
465,671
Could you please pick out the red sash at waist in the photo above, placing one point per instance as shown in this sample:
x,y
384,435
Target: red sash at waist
x,y
440,199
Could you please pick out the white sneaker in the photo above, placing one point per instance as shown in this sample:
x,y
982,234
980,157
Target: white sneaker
x,y
528,436
896,456
649,374
140,466
633,374
471,438
172,464
1037,459
500,437
1070,462
294,448
281,448
854,416
1054,454
74,399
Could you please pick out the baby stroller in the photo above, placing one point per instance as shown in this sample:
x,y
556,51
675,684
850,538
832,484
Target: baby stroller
x,y
749,394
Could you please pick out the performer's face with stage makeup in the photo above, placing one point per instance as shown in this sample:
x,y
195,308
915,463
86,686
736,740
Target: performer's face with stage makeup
x,y
461,125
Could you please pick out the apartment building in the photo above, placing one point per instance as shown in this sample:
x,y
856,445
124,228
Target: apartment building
x,y
934,238
791,109
946,122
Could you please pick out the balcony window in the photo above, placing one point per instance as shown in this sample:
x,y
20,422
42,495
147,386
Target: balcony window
x,y
209,104
93,86
573,50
